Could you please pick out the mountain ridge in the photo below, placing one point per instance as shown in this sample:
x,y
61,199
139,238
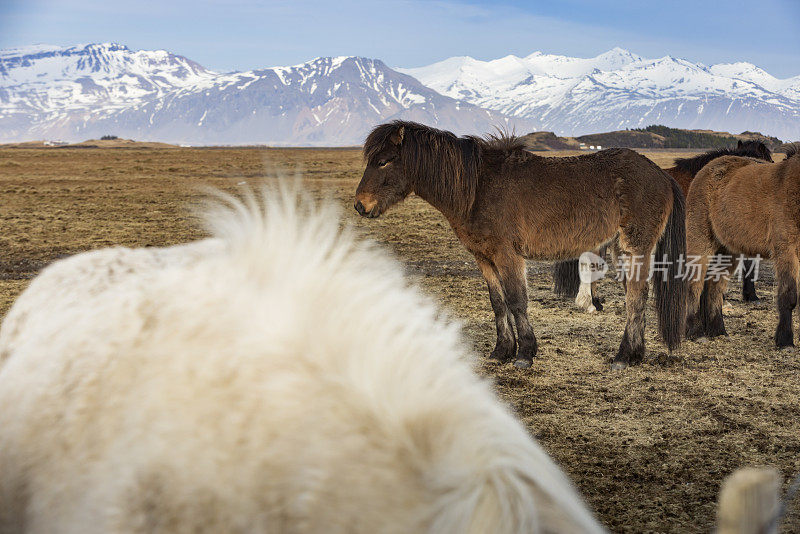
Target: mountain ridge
x,y
86,91
619,89
74,93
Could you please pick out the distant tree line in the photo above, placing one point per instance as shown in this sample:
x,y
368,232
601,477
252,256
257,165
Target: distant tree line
x,y
659,136
109,138
677,138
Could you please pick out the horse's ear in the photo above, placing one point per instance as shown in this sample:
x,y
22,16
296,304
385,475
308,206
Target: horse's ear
x,y
739,144
397,138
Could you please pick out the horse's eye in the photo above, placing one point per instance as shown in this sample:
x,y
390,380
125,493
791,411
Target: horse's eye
x,y
385,162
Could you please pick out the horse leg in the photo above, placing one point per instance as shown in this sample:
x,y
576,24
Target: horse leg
x,y
698,246
748,282
786,271
584,299
712,301
595,299
505,347
631,349
512,270
598,305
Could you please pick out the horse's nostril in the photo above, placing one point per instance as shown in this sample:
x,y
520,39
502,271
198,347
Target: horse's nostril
x,y
359,207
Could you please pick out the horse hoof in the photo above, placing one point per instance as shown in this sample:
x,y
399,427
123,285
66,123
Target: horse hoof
x,y
499,357
522,364
702,340
619,366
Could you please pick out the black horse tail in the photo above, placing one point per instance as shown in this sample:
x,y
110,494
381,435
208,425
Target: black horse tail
x,y
671,288
566,278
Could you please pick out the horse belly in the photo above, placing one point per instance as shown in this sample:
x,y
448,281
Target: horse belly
x,y
741,220
568,236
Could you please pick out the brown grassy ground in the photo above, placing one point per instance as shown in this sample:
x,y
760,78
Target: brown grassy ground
x,y
648,447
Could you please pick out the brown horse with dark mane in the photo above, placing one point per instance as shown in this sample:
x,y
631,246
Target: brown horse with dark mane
x,y
506,204
566,275
744,206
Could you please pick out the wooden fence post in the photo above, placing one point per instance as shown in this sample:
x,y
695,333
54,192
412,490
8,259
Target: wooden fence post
x,y
748,502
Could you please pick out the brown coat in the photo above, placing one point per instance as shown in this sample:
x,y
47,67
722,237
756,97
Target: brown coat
x,y
745,206
506,204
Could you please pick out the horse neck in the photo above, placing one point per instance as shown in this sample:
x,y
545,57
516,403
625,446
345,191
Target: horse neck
x,y
443,205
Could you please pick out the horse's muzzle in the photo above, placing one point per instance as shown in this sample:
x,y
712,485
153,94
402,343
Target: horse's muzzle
x,y
374,212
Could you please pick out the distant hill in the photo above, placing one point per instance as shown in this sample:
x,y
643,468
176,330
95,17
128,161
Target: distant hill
x,y
550,141
114,142
655,136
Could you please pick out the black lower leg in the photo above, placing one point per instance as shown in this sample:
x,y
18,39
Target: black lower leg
x,y
516,293
694,326
527,344
505,348
787,300
716,325
628,354
748,282
711,308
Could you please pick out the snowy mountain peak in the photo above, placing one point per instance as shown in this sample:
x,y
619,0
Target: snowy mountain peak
x,y
91,90
49,64
619,89
618,56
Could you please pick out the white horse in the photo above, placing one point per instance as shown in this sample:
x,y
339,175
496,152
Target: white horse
x,y
280,377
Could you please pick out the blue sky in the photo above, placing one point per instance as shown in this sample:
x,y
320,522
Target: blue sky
x,y
244,34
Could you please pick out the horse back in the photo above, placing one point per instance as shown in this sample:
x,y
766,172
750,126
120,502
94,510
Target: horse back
x,y
741,201
556,208
736,176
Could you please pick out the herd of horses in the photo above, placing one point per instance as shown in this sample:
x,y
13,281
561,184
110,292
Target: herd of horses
x,y
566,274
506,204
283,376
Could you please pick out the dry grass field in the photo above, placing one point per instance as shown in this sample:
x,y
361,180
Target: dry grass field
x,y
648,447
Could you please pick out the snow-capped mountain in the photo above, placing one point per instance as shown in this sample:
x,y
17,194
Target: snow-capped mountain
x,y
618,89
55,79
74,93
91,90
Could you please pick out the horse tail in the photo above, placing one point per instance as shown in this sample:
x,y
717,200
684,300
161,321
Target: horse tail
x,y
671,288
566,278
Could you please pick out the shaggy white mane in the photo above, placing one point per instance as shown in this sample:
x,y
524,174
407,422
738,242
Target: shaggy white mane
x,y
281,376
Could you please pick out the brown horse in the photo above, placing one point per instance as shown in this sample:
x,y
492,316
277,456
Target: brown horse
x,y
506,204
566,276
745,206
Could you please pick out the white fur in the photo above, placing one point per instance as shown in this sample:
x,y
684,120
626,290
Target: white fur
x,y
583,299
281,377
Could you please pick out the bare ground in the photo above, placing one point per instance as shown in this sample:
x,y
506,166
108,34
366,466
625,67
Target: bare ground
x,y
648,447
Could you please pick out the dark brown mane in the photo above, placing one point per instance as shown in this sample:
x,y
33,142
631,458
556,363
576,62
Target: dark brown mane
x,y
442,166
502,141
752,149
